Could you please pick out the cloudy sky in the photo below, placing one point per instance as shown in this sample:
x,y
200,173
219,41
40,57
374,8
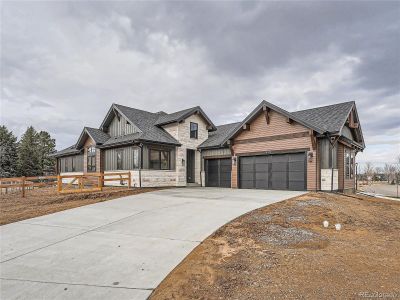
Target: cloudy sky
x,y
64,63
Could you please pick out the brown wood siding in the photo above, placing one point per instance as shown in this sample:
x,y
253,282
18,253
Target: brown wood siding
x,y
234,178
278,126
344,184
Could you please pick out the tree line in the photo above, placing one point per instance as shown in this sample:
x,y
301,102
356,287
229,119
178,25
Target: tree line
x,y
30,156
390,172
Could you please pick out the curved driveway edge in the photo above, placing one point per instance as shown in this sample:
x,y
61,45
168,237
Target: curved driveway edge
x,y
118,249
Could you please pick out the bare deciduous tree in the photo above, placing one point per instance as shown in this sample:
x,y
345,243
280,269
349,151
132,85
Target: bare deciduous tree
x,y
369,171
386,171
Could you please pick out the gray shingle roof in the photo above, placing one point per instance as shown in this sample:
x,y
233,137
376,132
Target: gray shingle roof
x,y
120,140
97,135
67,151
164,118
175,117
329,118
218,138
145,121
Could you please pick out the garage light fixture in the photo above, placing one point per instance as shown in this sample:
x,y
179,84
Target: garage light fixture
x,y
310,155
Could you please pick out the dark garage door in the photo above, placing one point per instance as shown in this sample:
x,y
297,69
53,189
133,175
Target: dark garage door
x,y
274,172
218,172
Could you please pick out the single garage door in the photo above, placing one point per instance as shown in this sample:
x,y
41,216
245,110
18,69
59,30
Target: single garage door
x,y
218,172
273,172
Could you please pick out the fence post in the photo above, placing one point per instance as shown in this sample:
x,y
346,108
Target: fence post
x,y
59,183
129,180
23,187
100,181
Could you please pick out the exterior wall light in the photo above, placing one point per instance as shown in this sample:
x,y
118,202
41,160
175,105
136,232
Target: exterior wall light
x,y
183,162
234,160
310,155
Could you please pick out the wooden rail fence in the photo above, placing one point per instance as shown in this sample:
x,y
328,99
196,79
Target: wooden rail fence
x,y
89,182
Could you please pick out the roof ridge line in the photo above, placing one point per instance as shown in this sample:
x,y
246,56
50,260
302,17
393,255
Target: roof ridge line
x,y
146,111
352,101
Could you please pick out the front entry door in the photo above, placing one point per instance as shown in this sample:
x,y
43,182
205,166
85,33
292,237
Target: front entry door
x,y
190,162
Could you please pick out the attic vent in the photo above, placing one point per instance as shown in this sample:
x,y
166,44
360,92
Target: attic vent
x,y
161,113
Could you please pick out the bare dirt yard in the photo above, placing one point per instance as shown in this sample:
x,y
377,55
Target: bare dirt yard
x,y
282,251
45,201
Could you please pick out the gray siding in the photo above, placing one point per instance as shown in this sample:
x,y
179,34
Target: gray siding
x,y
66,162
325,154
128,156
120,127
347,133
216,152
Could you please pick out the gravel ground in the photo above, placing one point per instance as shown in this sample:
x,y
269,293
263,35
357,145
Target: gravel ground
x,y
282,251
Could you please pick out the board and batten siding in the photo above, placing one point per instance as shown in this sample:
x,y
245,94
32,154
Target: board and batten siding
x,y
119,127
128,158
65,163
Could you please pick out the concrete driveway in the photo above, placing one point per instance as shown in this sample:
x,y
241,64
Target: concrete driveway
x,y
119,249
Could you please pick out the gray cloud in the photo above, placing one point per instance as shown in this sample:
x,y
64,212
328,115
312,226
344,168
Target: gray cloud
x,y
64,63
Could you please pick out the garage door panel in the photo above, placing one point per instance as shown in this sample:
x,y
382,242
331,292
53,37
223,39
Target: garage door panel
x,y
298,176
261,184
247,184
296,166
225,177
279,158
278,166
247,176
261,159
277,171
296,185
296,157
262,167
261,176
218,172
247,168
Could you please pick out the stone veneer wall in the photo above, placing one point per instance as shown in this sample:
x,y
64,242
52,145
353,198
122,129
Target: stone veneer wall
x,y
181,132
326,175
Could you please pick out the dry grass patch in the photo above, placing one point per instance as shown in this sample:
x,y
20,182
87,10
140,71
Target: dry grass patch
x,y
45,201
283,251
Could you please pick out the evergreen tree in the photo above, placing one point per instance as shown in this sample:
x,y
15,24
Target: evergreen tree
x,y
8,153
28,154
46,146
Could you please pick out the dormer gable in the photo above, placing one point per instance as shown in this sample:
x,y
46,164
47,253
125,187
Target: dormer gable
x,y
117,124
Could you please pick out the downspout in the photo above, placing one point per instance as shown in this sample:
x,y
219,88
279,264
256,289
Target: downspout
x,y
140,164
332,167
317,172
201,167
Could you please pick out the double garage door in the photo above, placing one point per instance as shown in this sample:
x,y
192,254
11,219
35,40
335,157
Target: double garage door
x,y
273,172
218,172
